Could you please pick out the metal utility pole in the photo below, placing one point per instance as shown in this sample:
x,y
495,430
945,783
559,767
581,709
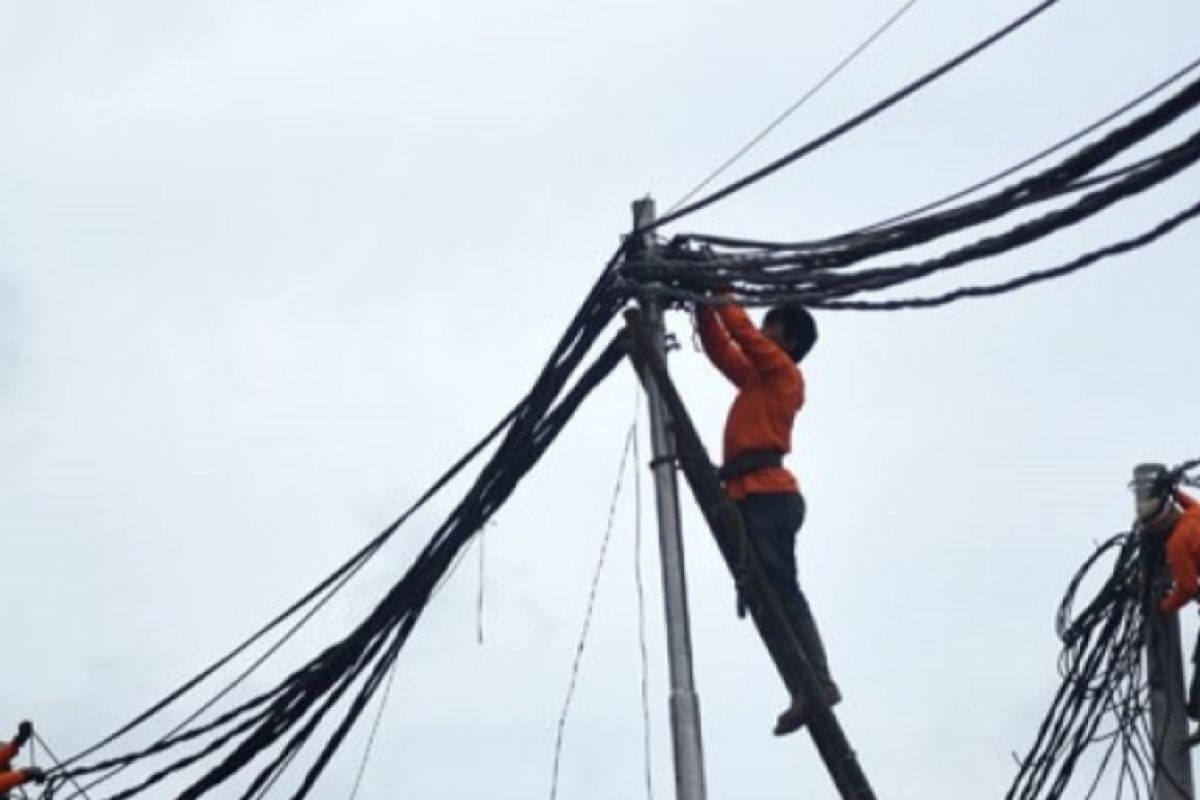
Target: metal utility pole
x,y
685,706
1164,663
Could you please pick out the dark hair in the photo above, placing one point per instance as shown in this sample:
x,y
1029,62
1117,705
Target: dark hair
x,y
799,328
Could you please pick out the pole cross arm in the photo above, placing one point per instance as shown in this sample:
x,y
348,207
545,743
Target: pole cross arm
x,y
741,556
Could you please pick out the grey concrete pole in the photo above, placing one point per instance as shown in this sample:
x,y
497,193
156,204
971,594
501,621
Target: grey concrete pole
x,y
685,706
1164,662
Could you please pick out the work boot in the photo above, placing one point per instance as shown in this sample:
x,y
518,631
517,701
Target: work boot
x,y
796,715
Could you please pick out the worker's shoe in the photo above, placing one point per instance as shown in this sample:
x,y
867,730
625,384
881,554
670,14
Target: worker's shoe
x,y
796,715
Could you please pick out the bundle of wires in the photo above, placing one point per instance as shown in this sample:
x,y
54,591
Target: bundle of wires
x,y
269,732
301,721
1102,700
1101,708
827,273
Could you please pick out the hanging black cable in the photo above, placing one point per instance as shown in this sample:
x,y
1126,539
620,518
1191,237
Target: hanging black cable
x,y
581,643
1041,155
1101,698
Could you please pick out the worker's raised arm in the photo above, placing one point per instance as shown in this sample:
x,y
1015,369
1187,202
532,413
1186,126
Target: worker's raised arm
x,y
764,354
9,750
721,349
19,777
1183,572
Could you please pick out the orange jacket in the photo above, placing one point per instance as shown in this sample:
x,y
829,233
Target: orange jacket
x,y
770,393
13,779
10,778
1183,554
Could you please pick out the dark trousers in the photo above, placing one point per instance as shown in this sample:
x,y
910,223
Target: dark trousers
x,y
772,522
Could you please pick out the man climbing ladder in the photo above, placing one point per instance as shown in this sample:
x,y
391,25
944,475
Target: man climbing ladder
x,y
763,365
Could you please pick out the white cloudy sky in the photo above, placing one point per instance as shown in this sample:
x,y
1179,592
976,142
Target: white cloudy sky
x,y
266,268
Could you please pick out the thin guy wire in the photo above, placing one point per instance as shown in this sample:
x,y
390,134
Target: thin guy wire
x,y
587,617
641,598
821,84
387,690
854,122
479,596
40,740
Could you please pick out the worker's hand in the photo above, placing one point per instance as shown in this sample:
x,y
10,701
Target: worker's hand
x,y
35,774
24,731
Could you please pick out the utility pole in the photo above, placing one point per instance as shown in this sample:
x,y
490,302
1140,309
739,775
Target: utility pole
x,y
1164,662
685,706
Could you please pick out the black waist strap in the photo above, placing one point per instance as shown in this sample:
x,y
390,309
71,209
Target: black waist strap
x,y
750,461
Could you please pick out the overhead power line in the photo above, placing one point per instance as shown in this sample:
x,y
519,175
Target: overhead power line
x,y
857,120
1041,155
828,276
804,98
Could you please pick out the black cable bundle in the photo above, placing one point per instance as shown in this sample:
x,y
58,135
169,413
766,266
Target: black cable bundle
x,y
269,731
819,274
1103,697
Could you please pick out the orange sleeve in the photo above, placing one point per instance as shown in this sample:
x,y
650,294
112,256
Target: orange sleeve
x,y
1186,501
721,350
11,780
8,751
1183,572
764,354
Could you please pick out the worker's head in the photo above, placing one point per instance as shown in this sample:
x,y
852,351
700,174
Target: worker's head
x,y
1156,508
1157,518
792,328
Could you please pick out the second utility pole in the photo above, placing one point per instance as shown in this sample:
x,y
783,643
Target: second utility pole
x,y
1164,661
685,707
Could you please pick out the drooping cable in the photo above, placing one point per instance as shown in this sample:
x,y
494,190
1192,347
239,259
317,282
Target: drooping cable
x,y
327,587
1041,155
370,746
581,643
639,583
1102,698
299,706
1038,276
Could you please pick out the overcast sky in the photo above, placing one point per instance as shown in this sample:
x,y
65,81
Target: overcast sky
x,y
267,268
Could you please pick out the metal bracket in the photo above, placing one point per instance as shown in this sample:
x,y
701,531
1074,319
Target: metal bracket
x,y
671,460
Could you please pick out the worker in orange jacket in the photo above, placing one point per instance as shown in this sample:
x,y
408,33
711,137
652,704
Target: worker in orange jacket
x,y
764,366
12,778
1183,552
1178,516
